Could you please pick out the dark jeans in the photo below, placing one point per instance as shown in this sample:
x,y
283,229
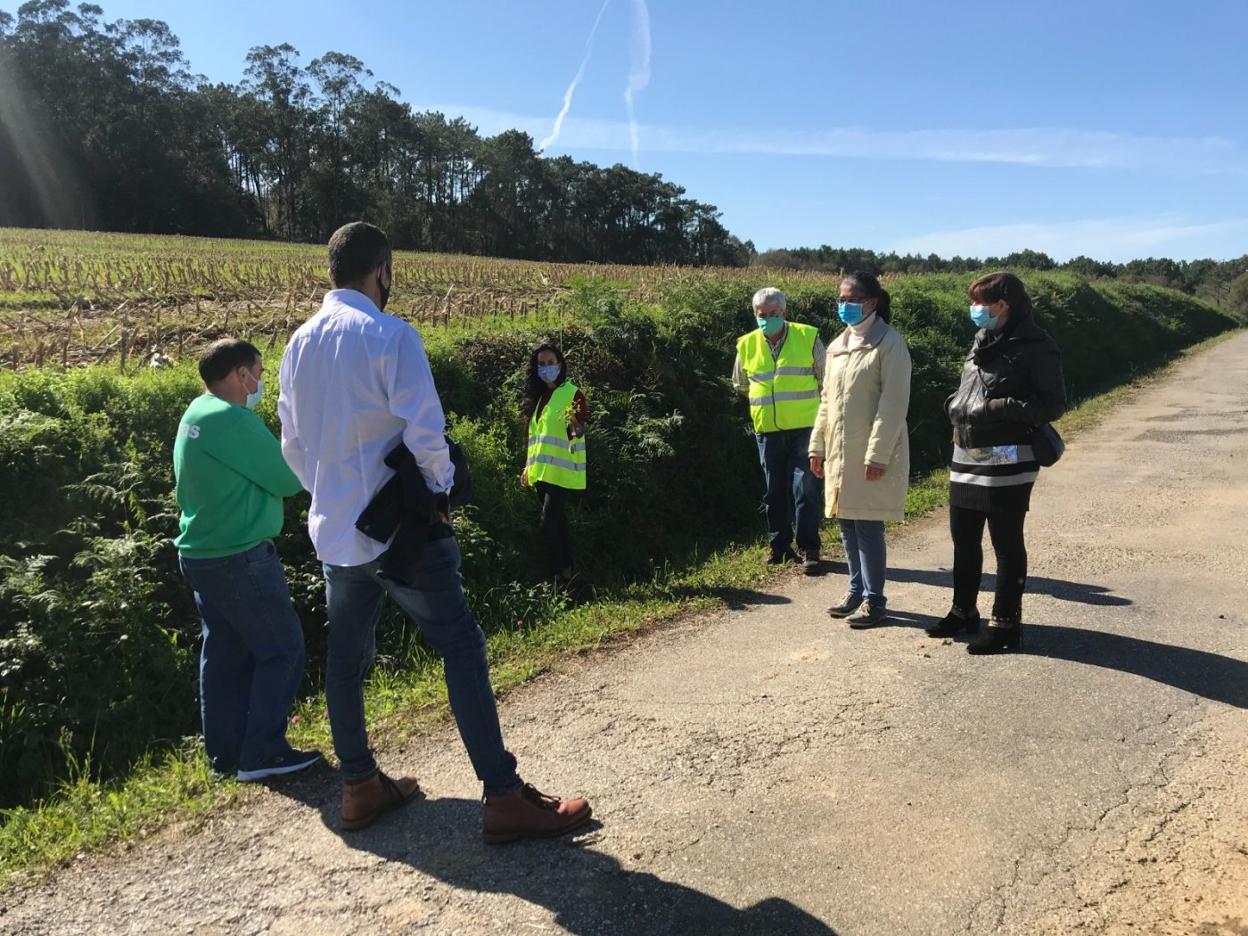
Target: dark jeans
x,y
435,600
791,488
553,526
251,662
1006,530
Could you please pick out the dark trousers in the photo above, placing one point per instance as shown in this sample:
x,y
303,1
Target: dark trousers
x,y
793,492
252,658
433,597
1006,530
553,526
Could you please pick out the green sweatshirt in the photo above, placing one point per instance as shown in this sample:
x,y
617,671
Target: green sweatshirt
x,y
231,479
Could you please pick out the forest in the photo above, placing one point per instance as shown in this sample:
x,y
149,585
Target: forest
x,y
103,126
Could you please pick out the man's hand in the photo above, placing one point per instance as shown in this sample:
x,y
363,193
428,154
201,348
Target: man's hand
x,y
816,465
524,477
874,471
442,508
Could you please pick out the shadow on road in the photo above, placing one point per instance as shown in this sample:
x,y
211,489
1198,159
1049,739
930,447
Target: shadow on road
x,y
588,892
736,599
1210,675
900,618
1036,585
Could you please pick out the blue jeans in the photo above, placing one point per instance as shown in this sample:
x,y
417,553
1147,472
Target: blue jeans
x,y
867,557
433,597
251,663
791,487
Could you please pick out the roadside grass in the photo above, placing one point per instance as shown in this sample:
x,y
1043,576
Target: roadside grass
x,y
84,814
408,696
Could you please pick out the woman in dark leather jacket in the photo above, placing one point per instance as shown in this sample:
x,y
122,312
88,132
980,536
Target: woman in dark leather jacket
x,y
1011,385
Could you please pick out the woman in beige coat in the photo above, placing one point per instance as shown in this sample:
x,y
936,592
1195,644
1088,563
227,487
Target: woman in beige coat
x,y
860,445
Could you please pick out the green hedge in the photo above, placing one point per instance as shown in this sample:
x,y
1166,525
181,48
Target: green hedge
x,y
97,631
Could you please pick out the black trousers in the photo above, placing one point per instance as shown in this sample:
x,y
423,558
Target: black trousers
x,y
552,528
1006,530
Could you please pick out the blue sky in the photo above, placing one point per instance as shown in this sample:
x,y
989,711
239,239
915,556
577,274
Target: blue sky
x,y
1114,128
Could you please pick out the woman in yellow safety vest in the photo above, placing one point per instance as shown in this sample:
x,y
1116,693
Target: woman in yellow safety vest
x,y
555,446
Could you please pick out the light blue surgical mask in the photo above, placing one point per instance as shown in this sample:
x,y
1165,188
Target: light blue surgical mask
x,y
850,312
982,317
549,373
253,399
770,324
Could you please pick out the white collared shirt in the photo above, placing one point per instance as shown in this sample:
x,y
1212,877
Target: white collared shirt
x,y
355,382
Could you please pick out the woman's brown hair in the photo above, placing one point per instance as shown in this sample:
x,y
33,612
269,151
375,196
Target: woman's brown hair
x,y
993,287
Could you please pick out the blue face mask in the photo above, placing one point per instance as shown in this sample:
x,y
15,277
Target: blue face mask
x,y
770,325
982,317
253,399
549,373
850,312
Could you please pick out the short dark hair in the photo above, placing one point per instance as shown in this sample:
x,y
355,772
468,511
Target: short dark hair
x,y
223,356
993,287
354,250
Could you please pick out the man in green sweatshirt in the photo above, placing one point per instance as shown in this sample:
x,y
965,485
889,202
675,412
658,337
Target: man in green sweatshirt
x,y
231,479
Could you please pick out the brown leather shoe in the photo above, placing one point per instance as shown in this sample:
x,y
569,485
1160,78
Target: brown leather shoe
x,y
365,800
528,813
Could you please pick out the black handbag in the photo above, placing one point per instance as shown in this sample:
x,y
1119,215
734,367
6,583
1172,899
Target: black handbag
x,y
1047,445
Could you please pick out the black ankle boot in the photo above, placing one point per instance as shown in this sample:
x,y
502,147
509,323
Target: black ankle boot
x,y
954,623
1000,635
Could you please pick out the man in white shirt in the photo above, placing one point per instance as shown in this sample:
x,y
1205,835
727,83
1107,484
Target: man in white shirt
x,y
355,383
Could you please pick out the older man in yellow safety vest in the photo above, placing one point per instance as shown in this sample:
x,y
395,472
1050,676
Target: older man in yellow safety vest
x,y
779,368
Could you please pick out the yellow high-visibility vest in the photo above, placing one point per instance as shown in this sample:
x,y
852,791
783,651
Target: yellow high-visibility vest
x,y
784,393
553,457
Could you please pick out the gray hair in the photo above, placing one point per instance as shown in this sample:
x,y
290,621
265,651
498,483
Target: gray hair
x,y
769,296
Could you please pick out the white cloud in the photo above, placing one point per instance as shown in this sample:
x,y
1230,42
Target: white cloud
x,y
1050,147
1117,239
639,77
576,80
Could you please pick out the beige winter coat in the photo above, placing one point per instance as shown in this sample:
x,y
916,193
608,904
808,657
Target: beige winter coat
x,y
862,418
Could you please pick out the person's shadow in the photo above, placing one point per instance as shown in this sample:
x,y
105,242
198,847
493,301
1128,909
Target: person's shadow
x,y
1210,675
1077,592
589,892
734,599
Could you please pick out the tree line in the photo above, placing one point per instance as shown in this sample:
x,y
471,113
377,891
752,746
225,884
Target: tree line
x,y
103,125
1224,283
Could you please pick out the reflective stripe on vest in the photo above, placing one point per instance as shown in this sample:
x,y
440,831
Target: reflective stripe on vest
x,y
784,393
767,376
552,456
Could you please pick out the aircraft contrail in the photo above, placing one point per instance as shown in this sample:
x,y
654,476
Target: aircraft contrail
x,y
639,77
580,73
